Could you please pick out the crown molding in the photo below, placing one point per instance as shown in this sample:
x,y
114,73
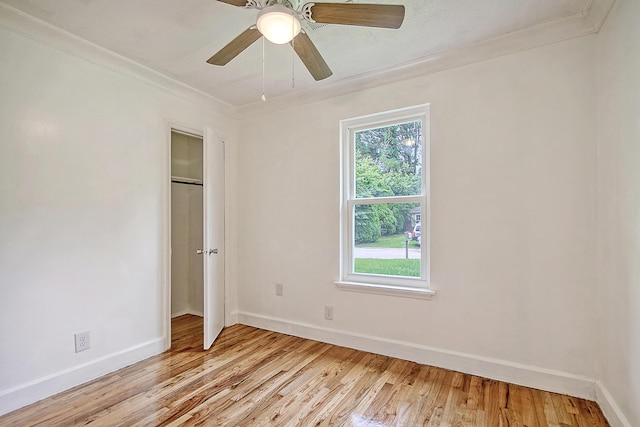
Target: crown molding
x,y
39,31
597,11
588,22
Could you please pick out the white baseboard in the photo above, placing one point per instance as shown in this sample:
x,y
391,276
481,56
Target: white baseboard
x,y
231,319
609,407
527,375
516,373
183,312
41,388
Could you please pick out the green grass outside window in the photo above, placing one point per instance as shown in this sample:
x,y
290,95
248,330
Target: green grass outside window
x,y
388,267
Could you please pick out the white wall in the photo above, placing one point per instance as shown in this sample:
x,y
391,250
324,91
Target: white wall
x,y
618,296
84,153
513,219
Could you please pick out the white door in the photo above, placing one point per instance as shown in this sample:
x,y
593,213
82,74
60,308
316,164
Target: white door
x,y
213,239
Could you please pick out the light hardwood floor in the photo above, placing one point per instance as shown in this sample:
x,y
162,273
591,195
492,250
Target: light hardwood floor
x,y
252,377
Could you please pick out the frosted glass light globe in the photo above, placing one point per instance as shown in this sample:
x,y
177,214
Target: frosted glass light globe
x,y
278,24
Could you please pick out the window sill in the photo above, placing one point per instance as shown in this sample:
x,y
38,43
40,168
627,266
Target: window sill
x,y
396,291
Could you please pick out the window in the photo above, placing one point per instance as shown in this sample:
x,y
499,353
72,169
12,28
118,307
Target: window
x,y
385,194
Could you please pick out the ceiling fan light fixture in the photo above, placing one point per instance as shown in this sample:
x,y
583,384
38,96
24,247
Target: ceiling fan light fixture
x,y
409,142
278,24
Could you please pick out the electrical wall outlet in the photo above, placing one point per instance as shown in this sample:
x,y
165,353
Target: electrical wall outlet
x,y
83,341
279,289
328,312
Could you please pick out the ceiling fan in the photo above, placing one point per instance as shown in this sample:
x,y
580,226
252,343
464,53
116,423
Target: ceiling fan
x,y
280,22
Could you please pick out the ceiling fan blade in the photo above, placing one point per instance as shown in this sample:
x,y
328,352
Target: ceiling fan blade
x,y
310,57
240,3
365,15
235,47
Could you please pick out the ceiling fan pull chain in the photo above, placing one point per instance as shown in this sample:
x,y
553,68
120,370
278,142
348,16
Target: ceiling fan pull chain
x,y
293,57
264,98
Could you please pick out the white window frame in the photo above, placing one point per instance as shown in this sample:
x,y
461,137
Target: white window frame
x,y
371,283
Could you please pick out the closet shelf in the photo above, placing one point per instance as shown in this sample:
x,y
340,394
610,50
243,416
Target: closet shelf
x,y
183,180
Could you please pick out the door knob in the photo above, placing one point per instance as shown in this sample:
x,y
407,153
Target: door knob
x,y
208,251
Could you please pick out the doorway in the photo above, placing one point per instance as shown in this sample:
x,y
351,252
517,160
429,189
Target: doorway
x,y
196,241
187,279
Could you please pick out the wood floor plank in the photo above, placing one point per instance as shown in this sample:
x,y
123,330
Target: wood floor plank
x,y
261,398
397,407
436,407
190,390
529,415
366,379
253,377
538,403
435,391
416,399
343,392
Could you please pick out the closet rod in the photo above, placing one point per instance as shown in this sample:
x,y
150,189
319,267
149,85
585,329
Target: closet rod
x,y
187,183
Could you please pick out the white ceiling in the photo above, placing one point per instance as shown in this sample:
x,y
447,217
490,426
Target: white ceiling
x,y
176,37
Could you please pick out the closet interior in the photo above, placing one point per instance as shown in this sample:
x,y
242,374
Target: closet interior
x,y
187,276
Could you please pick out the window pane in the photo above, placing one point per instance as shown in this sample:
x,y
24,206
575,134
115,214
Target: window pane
x,y
389,161
387,239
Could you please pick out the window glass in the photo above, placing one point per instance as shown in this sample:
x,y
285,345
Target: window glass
x,y
389,160
386,240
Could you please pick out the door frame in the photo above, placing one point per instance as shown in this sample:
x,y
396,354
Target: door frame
x,y
207,134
